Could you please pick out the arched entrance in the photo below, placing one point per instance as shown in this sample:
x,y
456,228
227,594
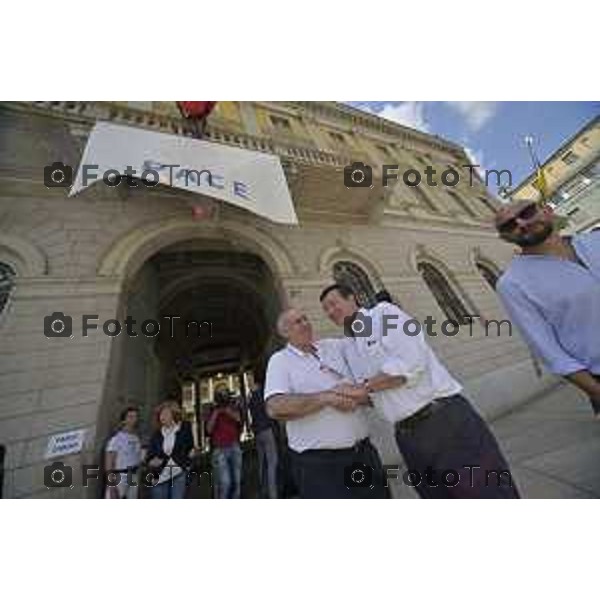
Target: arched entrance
x,y
216,300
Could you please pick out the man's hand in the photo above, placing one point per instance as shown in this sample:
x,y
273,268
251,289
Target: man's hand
x,y
336,398
344,403
338,401
595,401
155,462
356,392
328,398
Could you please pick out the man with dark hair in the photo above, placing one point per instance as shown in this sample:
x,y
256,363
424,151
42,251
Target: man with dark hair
x,y
449,450
123,456
383,296
551,290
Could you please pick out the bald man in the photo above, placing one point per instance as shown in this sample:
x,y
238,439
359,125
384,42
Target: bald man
x,y
551,291
327,430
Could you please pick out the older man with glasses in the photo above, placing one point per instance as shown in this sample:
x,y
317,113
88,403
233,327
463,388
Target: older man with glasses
x,y
551,291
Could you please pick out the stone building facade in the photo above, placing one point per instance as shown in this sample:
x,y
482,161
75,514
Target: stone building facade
x,y
115,252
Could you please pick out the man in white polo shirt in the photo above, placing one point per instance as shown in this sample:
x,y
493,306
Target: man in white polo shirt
x,y
327,431
448,448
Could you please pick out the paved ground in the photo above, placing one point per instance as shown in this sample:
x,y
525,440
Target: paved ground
x,y
552,445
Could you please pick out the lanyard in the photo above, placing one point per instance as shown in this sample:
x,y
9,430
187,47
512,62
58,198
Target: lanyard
x,y
326,368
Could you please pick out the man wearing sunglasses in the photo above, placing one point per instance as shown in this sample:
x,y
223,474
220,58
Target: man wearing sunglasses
x,y
551,291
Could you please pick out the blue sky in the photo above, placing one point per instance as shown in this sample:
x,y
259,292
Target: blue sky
x,y
493,132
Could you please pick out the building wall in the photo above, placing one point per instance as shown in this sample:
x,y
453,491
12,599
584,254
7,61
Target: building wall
x,y
63,249
572,176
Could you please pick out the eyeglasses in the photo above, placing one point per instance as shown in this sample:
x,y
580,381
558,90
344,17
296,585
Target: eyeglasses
x,y
526,213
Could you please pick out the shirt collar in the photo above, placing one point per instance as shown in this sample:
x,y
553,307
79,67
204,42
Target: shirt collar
x,y
299,352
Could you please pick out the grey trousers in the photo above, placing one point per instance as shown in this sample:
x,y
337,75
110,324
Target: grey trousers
x,y
266,449
453,454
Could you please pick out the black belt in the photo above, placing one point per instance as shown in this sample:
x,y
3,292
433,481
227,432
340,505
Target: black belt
x,y
418,417
359,446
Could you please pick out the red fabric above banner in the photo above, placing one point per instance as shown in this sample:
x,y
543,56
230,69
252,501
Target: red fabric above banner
x,y
196,110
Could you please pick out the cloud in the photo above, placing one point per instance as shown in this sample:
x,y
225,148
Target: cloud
x,y
475,158
410,114
476,114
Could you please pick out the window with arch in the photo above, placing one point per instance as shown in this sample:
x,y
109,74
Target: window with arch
x,y
489,274
448,300
7,283
351,275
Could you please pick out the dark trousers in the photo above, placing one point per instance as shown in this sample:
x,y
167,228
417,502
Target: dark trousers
x,y
453,454
347,473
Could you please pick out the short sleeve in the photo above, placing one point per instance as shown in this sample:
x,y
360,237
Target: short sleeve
x,y
113,444
277,380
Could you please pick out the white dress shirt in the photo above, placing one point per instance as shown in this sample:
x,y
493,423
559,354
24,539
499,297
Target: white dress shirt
x,y
292,371
391,351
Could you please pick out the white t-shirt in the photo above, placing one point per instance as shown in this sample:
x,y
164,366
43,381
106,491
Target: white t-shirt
x,y
128,449
291,371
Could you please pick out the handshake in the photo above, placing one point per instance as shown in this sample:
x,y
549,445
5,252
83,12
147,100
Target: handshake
x,y
346,397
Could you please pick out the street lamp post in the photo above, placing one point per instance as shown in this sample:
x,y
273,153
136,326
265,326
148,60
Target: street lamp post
x,y
540,182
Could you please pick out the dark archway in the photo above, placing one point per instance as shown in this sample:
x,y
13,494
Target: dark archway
x,y
216,305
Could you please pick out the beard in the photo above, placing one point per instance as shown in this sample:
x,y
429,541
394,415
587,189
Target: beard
x,y
534,238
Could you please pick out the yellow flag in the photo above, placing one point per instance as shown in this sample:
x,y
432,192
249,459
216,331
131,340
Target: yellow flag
x,y
540,184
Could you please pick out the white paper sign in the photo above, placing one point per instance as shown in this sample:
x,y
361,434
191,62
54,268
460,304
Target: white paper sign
x,y
251,180
69,442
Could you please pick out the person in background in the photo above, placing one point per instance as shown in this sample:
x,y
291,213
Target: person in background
x,y
170,452
122,458
551,290
266,446
224,427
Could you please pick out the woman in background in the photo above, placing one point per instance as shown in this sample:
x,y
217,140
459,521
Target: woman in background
x,y
169,453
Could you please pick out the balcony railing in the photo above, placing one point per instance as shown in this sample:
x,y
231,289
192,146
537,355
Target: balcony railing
x,y
295,148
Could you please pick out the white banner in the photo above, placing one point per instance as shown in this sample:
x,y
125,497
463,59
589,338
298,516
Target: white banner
x,y
251,180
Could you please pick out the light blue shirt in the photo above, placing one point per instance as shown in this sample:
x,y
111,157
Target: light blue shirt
x,y
556,304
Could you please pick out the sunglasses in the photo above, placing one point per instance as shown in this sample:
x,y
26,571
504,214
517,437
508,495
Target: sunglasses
x,y
526,213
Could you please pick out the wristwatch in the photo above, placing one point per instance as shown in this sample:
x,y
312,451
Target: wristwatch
x,y
367,386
